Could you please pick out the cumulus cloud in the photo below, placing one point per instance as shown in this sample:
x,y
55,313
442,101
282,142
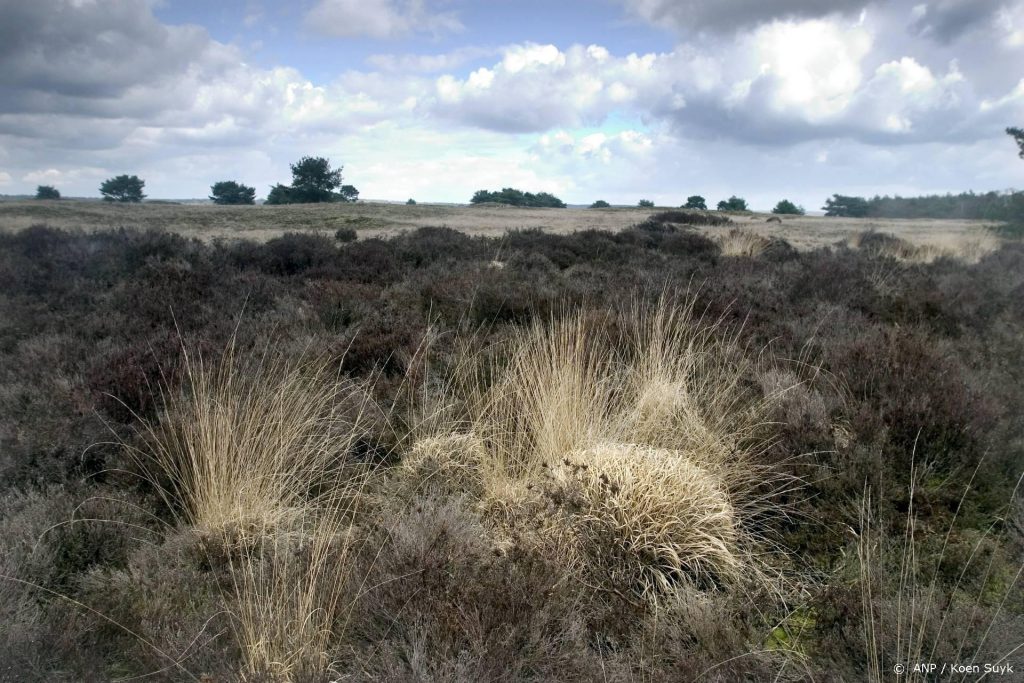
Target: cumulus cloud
x,y
535,88
379,18
102,84
783,82
94,87
93,74
812,68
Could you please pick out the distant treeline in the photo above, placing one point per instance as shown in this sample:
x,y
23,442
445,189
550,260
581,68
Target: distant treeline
x,y
996,206
510,195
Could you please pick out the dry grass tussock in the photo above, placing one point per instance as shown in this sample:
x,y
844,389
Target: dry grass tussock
x,y
967,248
656,504
739,242
256,458
630,452
253,445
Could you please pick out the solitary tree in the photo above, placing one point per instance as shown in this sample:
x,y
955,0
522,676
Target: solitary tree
x,y
695,202
230,192
645,203
47,192
347,193
841,205
411,202
788,207
313,180
1018,136
600,204
123,188
733,203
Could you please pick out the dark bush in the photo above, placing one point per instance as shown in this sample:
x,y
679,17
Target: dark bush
x,y
230,192
514,197
346,235
423,246
294,253
690,218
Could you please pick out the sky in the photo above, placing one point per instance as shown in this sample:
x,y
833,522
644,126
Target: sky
x,y
618,100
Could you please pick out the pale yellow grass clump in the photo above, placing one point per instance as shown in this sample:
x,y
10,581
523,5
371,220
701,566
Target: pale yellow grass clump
x,y
739,242
653,504
664,379
647,428
254,459
967,248
249,445
292,593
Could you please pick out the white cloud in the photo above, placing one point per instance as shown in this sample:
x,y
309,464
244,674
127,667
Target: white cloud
x,y
600,147
783,82
410,63
1014,98
49,176
536,88
813,67
379,18
799,97
1010,23
5,178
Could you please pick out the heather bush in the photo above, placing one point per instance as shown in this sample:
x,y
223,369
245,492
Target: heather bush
x,y
886,362
345,235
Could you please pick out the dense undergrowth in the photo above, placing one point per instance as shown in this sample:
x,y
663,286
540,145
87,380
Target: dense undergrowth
x,y
649,455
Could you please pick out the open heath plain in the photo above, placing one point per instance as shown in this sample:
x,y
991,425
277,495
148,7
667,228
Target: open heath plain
x,y
381,442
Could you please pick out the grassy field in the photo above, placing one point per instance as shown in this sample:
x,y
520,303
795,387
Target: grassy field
x,y
210,222
646,452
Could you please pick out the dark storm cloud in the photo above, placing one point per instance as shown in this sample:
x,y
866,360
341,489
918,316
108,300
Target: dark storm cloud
x,y
726,15
88,49
947,20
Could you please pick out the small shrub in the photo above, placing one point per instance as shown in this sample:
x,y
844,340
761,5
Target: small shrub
x,y
645,204
600,204
345,235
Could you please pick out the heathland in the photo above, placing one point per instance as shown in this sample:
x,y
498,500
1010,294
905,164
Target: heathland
x,y
480,444
371,219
